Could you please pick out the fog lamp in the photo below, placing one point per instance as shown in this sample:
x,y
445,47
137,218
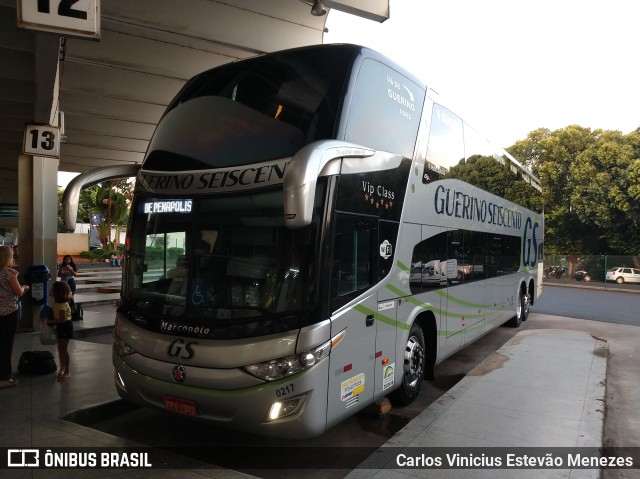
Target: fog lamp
x,y
120,347
280,409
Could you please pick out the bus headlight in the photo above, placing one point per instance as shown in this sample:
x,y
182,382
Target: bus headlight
x,y
282,367
120,347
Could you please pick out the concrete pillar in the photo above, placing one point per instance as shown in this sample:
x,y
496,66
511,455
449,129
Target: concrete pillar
x,y
38,217
38,181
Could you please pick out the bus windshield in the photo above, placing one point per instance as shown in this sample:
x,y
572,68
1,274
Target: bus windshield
x,y
220,260
254,111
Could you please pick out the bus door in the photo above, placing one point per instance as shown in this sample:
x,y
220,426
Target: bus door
x,y
354,271
466,292
437,277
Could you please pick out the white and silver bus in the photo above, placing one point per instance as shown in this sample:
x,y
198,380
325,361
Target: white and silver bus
x,y
313,231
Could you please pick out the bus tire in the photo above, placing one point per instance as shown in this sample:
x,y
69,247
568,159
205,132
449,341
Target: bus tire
x,y
522,310
412,368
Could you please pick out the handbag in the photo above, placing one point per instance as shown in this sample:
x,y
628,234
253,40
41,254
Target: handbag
x,y
48,335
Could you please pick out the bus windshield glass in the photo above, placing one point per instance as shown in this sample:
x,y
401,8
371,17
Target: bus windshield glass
x,y
252,111
215,260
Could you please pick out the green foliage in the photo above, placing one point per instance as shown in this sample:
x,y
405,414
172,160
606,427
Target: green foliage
x,y
486,173
155,253
101,253
111,200
591,188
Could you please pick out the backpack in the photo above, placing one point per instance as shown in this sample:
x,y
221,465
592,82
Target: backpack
x,y
36,362
77,314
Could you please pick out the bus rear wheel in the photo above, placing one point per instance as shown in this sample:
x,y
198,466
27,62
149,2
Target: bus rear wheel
x,y
412,368
522,310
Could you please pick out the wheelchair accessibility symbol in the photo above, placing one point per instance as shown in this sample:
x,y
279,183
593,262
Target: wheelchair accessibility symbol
x,y
199,295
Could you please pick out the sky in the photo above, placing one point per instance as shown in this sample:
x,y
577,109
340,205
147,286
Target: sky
x,y
510,67
64,177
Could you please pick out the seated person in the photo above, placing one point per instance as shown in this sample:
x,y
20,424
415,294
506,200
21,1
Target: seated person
x,y
181,270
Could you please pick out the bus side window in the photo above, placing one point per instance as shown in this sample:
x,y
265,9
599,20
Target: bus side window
x,y
354,269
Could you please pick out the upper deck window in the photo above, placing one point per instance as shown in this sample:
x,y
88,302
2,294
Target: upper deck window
x,y
252,111
385,109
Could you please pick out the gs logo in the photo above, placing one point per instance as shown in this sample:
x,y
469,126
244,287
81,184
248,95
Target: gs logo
x,y
530,243
180,349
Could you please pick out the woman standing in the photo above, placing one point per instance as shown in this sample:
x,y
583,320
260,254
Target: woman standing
x,y
10,291
67,271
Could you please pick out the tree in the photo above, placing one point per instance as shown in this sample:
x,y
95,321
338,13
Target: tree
x,y
490,175
110,200
590,188
601,196
86,206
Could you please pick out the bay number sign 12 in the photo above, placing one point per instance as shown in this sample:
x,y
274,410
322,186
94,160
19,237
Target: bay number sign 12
x,y
67,17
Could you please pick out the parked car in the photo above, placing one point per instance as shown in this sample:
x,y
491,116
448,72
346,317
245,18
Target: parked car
x,y
582,275
623,275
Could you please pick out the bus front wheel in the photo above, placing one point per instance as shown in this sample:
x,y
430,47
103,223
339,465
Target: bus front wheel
x,y
412,368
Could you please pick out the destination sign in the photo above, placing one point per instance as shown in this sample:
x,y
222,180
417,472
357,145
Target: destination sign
x,y
168,206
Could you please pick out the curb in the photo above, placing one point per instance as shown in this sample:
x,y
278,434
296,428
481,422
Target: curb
x,y
589,286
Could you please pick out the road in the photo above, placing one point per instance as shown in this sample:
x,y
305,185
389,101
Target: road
x,y
366,430
610,305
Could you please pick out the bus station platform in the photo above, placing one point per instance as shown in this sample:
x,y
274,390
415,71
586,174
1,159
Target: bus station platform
x,y
543,388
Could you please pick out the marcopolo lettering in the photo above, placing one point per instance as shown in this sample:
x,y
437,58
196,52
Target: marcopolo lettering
x,y
187,329
461,205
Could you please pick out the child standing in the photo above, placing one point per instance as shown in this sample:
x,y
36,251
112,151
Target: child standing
x,y
61,293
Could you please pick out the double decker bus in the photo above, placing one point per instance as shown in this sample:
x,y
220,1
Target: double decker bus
x,y
312,231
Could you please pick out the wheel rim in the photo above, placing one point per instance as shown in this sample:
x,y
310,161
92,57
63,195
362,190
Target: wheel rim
x,y
413,359
519,307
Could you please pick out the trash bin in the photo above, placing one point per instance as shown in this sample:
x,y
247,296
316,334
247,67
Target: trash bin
x,y
38,277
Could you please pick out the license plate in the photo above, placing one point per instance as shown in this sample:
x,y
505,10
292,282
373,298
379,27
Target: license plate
x,y
182,406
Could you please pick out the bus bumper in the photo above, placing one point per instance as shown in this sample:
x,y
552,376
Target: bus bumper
x,y
298,399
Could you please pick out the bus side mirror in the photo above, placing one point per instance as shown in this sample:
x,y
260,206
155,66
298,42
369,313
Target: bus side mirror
x,y
71,195
303,171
